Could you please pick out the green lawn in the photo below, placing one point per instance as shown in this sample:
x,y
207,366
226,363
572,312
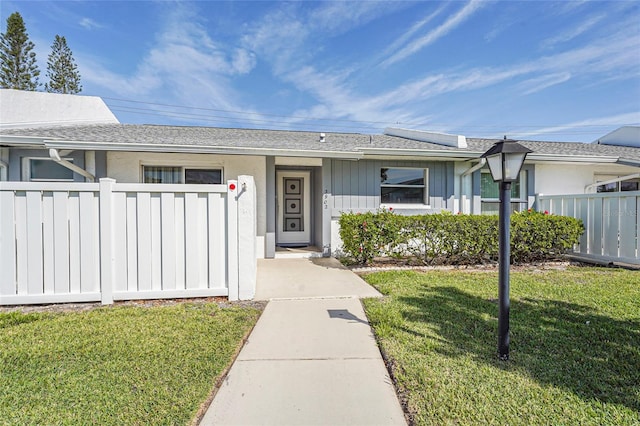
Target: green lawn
x,y
116,365
575,346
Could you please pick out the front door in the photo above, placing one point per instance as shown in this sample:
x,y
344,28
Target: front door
x,y
293,208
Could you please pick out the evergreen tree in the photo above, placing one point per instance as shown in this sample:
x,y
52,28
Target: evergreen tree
x,y
18,68
62,69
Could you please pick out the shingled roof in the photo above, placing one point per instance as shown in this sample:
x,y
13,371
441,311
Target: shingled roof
x,y
135,137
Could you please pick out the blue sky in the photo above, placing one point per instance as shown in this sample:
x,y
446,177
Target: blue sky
x,y
567,71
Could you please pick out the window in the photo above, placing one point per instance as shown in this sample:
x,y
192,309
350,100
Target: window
x,y
490,193
169,174
45,169
202,176
403,186
625,185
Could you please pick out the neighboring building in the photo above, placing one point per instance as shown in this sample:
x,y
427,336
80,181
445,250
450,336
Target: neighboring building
x,y
304,180
628,136
27,109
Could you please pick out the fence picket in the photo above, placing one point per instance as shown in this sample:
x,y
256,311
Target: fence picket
x,y
168,226
48,243
144,241
34,242
61,242
7,244
132,241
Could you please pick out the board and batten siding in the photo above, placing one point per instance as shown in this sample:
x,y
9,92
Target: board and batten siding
x,y
356,184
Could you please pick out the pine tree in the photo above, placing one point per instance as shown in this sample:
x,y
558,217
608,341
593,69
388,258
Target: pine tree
x,y
61,69
18,68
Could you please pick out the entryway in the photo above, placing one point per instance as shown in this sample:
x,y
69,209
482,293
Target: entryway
x,y
293,208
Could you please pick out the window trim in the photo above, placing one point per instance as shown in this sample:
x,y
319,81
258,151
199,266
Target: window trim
x,y
606,179
425,187
183,172
26,169
523,198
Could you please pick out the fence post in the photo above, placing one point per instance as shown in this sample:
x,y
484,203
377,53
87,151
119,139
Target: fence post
x,y
247,262
232,238
107,258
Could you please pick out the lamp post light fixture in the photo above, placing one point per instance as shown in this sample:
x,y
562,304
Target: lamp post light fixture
x,y
505,160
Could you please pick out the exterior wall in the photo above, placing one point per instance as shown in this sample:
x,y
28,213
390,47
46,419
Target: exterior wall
x,y
127,167
562,179
356,185
16,156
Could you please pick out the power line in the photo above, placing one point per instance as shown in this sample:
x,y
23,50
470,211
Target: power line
x,y
366,125
221,119
249,113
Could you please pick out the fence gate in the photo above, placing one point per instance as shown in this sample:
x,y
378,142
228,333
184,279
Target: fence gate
x,y
85,242
610,220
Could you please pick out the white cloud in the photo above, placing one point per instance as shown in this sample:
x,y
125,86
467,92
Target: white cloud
x,y
90,24
396,45
573,32
243,61
598,124
185,63
538,84
452,23
342,16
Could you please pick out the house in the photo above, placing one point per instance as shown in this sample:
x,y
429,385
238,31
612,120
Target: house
x,y
62,240
304,180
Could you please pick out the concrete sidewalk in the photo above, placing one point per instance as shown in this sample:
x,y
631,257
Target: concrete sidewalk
x,y
312,358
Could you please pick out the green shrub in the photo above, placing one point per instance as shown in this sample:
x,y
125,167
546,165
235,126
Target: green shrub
x,y
368,235
445,238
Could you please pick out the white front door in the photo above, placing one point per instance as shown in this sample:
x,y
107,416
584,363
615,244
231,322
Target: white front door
x,y
293,208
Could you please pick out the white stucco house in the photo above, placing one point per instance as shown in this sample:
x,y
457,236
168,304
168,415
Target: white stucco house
x,y
304,180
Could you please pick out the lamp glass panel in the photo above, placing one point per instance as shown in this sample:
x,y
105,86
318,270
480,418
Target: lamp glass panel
x,y
512,165
495,166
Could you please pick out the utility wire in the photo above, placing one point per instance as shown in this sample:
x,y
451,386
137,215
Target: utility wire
x,y
366,125
223,119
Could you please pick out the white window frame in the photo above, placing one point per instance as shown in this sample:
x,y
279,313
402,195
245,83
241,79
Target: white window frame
x,y
522,199
602,177
400,206
26,170
183,170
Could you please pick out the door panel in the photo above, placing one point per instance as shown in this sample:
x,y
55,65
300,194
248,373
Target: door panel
x,y
293,208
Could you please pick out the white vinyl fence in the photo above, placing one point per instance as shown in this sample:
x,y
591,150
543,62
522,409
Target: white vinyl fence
x,y
610,220
86,242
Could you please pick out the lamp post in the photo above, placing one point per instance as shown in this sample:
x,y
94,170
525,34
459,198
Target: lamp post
x,y
505,159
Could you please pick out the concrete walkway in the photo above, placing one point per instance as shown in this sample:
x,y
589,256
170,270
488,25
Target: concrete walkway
x,y
312,358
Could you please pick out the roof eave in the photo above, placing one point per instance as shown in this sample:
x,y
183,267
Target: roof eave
x,y
199,149
419,153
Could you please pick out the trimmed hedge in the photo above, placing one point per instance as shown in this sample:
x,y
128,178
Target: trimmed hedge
x,y
445,238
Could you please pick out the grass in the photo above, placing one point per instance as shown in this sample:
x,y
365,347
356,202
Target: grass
x,y
575,346
116,365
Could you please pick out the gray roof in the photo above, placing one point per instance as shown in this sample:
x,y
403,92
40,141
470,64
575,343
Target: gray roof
x,y
134,137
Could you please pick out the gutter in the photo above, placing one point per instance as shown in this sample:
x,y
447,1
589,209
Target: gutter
x,y
475,155
199,149
605,182
55,156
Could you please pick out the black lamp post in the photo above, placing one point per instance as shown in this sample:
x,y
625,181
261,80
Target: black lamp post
x,y
505,160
